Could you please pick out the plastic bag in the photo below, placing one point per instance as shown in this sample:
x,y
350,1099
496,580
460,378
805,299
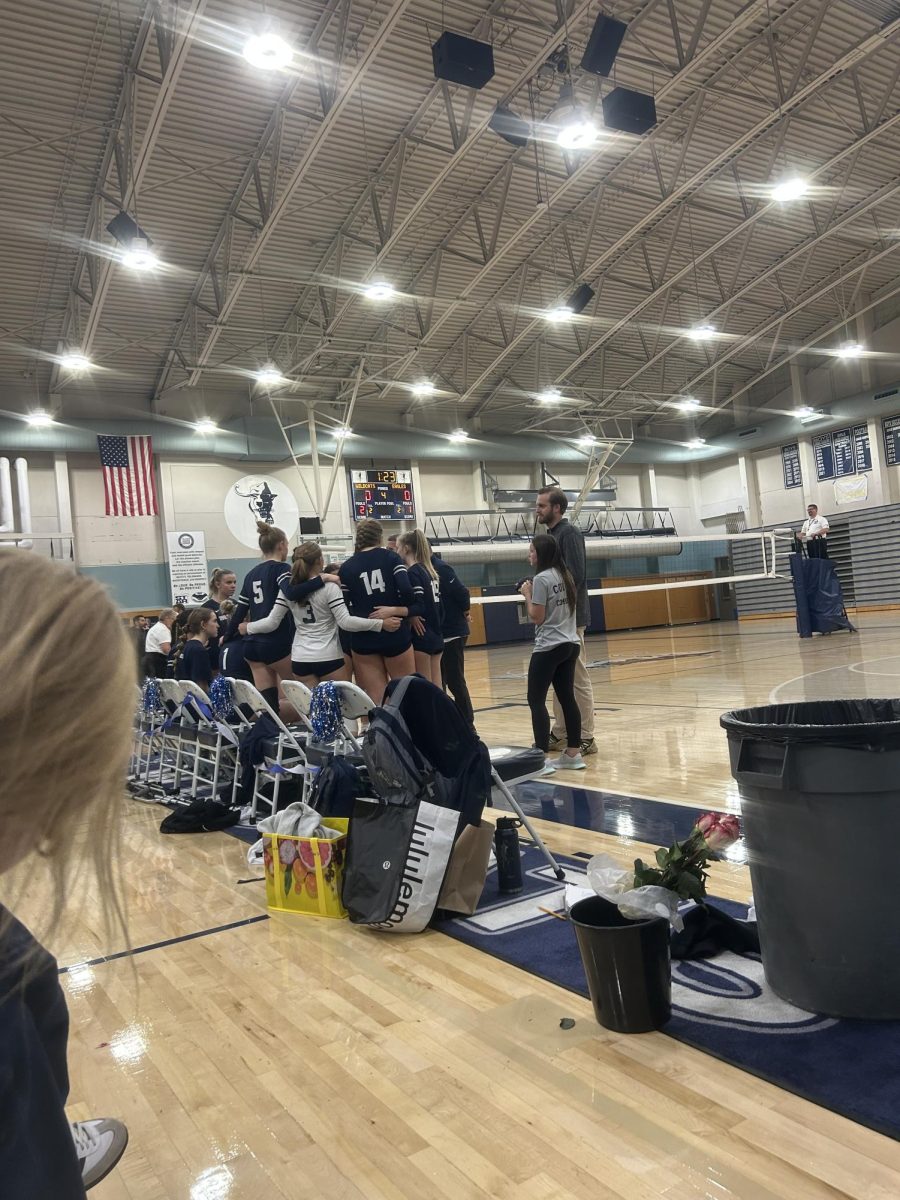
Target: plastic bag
x,y
614,883
297,820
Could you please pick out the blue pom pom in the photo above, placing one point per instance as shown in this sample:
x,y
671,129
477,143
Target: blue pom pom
x,y
221,699
325,713
151,700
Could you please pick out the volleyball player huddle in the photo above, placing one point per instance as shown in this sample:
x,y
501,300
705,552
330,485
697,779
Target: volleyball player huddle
x,y
378,618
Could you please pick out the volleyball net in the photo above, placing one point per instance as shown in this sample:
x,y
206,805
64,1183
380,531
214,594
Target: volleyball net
x,y
646,564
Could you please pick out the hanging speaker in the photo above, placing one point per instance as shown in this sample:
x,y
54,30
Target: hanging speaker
x,y
580,298
509,126
628,112
125,229
463,60
603,45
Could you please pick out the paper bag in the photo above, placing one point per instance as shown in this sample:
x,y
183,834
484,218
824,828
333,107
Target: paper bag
x,y
467,869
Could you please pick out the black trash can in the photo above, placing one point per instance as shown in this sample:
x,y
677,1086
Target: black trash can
x,y
820,799
627,964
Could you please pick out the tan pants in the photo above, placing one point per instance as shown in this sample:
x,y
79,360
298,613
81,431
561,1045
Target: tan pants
x,y
584,695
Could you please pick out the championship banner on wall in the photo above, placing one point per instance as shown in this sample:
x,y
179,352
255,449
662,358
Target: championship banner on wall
x,y
187,567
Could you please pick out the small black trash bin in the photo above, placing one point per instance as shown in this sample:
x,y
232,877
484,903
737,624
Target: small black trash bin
x,y
627,965
820,799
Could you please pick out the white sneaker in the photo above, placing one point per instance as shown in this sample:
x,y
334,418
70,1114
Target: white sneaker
x,y
569,762
99,1145
548,769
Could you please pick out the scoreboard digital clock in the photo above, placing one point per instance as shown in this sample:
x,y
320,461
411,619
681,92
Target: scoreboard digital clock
x,y
384,495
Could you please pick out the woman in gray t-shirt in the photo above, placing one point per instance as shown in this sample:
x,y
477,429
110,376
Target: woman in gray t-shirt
x,y
550,600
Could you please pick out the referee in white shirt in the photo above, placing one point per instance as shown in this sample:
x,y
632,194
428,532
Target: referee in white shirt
x,y
814,533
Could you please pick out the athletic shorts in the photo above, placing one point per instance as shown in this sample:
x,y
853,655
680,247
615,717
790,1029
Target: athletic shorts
x,y
431,643
264,650
319,669
386,645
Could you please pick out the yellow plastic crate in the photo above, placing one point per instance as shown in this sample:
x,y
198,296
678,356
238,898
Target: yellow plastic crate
x,y
303,875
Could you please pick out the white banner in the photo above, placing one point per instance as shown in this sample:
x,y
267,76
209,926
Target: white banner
x,y
187,567
851,489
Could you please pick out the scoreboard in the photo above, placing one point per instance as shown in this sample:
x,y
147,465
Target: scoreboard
x,y
384,495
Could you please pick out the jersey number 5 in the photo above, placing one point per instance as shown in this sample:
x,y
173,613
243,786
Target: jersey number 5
x,y
258,597
373,581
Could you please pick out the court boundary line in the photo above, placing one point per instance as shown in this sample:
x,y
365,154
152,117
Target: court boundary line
x,y
184,937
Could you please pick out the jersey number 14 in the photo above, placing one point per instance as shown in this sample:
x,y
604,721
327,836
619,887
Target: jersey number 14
x,y
373,581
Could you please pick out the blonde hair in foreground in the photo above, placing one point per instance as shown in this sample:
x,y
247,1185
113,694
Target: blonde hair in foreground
x,y
65,732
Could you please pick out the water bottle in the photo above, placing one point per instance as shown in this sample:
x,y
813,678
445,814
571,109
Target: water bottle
x,y
509,861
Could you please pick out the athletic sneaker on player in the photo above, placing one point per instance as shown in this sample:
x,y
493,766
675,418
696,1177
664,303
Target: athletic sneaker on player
x,y
376,584
428,641
268,654
316,653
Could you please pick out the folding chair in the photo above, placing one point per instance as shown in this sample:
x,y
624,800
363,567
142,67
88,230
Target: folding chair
x,y
512,765
179,734
353,701
284,755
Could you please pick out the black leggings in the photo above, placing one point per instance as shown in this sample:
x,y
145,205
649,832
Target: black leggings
x,y
453,675
555,666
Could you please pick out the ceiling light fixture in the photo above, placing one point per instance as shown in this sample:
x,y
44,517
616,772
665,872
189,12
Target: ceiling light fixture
x,y
205,425
268,52
587,440
689,404
459,435
269,376
804,411
696,443
343,431
794,188
700,333
75,361
379,291
39,420
138,256
577,131
550,396
424,388
850,350
559,314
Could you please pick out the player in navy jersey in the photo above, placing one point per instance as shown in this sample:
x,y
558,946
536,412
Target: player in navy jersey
x,y
269,654
376,584
222,586
193,661
427,638
318,621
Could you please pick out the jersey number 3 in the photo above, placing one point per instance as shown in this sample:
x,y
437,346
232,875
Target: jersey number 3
x,y
373,581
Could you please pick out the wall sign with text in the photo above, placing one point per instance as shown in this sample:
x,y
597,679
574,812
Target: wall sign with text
x,y
790,465
844,452
188,570
891,429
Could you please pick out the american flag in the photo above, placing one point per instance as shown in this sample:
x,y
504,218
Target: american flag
x,y
128,476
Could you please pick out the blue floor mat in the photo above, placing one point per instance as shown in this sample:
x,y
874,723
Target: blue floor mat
x,y
722,1006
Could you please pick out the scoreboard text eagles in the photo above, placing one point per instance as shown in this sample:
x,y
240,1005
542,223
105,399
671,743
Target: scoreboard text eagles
x,y
384,495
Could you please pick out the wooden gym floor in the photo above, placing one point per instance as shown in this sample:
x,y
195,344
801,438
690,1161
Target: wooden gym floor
x,y
292,1058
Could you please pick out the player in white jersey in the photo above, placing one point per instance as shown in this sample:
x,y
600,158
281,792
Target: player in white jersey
x,y
316,653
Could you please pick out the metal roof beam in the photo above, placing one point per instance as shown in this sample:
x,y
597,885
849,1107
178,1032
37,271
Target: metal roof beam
x,y
649,221
127,165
